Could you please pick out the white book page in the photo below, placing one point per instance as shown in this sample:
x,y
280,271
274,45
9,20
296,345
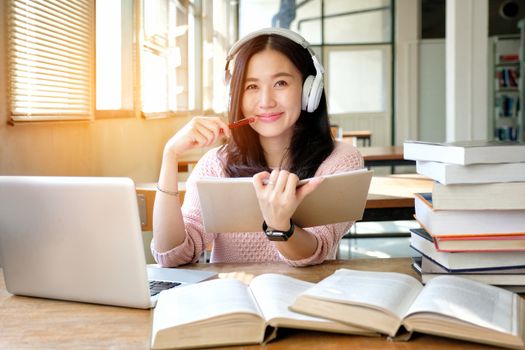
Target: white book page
x,y
388,291
470,301
203,300
275,293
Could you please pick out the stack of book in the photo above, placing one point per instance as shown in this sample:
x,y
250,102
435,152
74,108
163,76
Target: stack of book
x,y
473,222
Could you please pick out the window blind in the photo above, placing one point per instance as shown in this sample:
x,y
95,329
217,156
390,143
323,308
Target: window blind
x,y
50,55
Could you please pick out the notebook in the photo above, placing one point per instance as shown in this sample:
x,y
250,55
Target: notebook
x,y
230,204
77,239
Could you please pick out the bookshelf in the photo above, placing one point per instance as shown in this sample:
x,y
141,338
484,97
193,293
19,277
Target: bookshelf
x,y
507,96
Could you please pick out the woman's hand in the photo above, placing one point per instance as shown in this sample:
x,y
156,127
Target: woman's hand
x,y
198,132
279,196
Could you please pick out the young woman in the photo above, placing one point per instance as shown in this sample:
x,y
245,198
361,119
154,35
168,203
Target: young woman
x,y
278,81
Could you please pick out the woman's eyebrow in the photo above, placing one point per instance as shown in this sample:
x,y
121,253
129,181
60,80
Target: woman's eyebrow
x,y
276,75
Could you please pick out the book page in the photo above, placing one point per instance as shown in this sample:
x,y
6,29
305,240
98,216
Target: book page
x,y
388,291
275,293
469,301
203,300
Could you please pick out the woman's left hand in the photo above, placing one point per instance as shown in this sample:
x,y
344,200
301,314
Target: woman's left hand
x,y
279,196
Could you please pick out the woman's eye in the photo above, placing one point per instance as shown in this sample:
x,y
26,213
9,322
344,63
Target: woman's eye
x,y
251,87
281,83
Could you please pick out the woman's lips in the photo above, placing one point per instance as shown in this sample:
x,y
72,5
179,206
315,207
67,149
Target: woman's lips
x,y
268,118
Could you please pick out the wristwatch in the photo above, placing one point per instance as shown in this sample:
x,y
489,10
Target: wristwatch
x,y
278,235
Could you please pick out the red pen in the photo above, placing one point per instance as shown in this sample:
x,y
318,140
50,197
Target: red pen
x,y
241,122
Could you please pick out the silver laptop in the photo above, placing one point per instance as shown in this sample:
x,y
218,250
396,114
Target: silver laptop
x,y
78,239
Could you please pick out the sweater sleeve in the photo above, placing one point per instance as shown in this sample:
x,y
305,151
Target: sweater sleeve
x,y
196,239
345,157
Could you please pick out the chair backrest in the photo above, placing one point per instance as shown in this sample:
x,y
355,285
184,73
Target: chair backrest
x,y
337,132
350,139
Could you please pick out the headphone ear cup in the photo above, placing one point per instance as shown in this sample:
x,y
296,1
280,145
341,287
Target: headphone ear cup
x,y
307,88
315,94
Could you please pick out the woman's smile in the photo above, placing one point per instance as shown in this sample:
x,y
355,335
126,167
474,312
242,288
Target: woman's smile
x,y
269,117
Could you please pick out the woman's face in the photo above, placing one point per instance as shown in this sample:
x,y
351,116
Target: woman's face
x,y
272,93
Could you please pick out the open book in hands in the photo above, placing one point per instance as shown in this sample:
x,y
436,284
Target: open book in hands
x,y
447,306
228,312
231,205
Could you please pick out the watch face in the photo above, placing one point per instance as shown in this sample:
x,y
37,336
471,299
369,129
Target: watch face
x,y
276,235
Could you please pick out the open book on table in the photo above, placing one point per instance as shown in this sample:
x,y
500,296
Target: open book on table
x,y
229,312
447,306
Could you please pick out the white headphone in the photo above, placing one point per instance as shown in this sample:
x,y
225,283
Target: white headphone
x,y
312,87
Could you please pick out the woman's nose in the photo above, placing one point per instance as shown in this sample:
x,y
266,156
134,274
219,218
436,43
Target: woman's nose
x,y
266,98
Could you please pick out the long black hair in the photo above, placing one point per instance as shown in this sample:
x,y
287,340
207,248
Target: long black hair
x,y
312,140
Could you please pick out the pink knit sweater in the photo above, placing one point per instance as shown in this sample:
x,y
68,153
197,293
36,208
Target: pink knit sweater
x,y
252,246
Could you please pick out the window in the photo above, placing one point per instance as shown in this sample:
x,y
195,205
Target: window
x,y
217,39
164,57
183,50
364,72
157,58
50,60
114,60
353,39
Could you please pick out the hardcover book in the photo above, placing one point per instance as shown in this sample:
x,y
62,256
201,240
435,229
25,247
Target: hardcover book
x,y
466,222
229,312
485,243
429,266
422,242
507,280
491,196
465,152
447,306
448,174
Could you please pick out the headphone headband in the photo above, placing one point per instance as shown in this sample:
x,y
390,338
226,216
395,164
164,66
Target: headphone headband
x,y
269,31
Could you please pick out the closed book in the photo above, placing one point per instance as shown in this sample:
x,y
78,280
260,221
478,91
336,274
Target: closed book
x,y
466,222
447,306
449,174
430,266
422,242
495,279
465,152
491,196
486,243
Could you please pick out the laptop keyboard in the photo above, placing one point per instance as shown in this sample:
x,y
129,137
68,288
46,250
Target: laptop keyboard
x,y
155,287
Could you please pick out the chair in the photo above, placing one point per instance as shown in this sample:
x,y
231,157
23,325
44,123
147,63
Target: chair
x,y
364,135
350,139
146,198
337,132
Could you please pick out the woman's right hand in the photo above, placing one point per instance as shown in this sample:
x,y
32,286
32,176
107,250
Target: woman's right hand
x,y
198,132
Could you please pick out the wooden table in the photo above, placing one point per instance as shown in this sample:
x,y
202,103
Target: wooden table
x,y
384,156
392,197
32,323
